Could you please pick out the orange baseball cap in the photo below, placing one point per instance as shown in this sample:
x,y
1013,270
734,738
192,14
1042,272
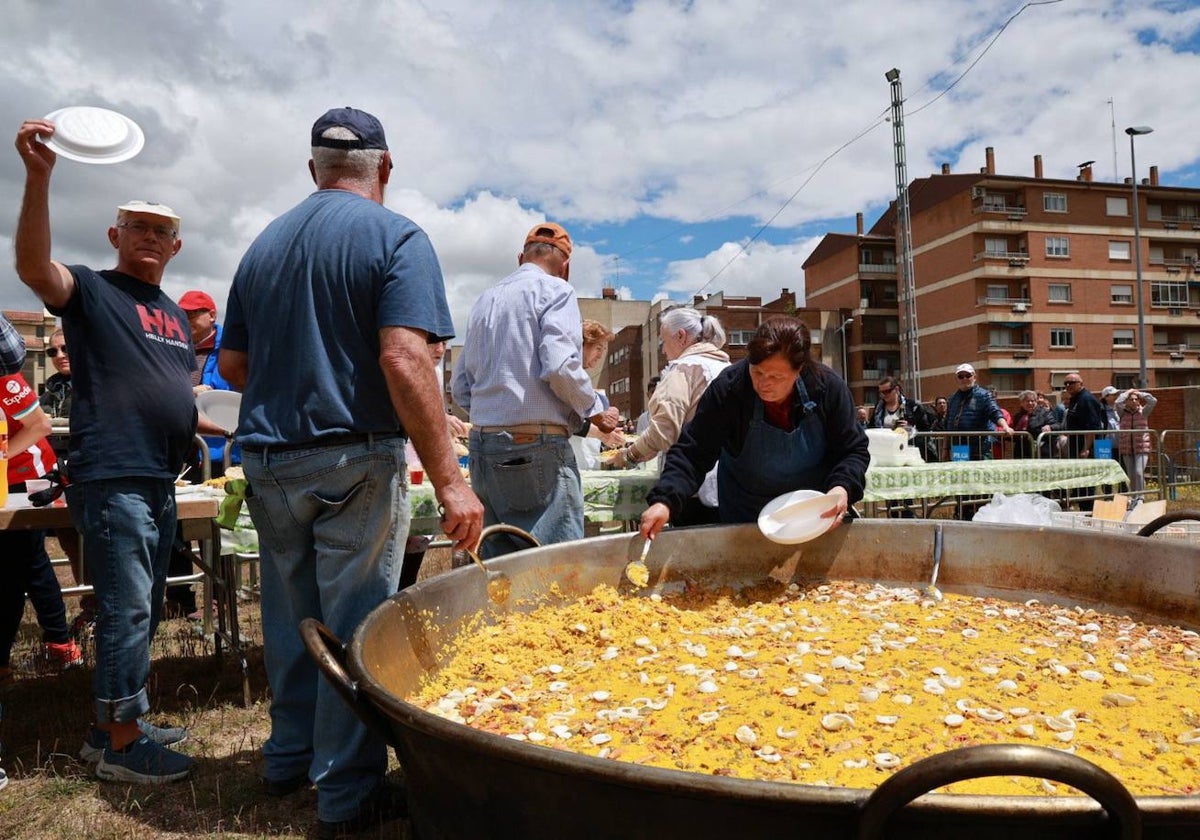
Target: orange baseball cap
x,y
550,234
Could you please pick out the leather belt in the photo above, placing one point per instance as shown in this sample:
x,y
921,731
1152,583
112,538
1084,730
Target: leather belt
x,y
340,439
527,429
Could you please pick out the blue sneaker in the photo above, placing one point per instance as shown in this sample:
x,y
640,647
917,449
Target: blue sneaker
x,y
144,762
96,741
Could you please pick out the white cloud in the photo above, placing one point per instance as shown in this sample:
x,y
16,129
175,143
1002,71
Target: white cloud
x,y
619,117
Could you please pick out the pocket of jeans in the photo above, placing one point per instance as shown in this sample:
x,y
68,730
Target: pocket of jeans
x,y
342,525
525,482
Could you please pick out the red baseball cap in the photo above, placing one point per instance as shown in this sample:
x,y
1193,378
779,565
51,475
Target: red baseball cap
x,y
195,299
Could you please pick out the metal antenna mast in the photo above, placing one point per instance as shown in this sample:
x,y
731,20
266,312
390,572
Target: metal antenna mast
x,y
910,353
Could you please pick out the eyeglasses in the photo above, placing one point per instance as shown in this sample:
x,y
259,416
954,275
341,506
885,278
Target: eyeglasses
x,y
164,232
883,392
54,351
963,375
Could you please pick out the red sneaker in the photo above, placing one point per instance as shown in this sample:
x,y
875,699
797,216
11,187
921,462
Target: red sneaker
x,y
67,654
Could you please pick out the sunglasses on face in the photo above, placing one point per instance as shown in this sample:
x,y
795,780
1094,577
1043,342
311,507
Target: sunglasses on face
x,y
883,392
54,351
963,375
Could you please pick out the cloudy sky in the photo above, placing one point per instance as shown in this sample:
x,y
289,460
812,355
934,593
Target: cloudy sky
x,y
688,146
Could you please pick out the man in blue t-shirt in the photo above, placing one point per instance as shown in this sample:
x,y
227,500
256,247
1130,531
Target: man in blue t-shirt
x,y
326,329
132,421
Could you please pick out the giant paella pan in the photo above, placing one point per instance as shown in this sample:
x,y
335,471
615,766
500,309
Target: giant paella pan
x,y
468,783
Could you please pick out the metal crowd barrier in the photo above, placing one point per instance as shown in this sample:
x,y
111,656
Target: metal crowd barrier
x,y
1176,461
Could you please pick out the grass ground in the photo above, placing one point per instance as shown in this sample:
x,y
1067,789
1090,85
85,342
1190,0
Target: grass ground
x,y
52,795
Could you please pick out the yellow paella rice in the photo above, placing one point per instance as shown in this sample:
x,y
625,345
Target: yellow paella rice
x,y
836,683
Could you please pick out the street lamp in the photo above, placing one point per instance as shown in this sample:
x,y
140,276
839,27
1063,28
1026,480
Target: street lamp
x,y
1134,131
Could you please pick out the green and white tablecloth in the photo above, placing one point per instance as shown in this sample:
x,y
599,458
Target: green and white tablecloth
x,y
608,496
985,478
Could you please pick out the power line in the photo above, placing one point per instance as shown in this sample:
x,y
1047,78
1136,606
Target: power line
x,y
879,120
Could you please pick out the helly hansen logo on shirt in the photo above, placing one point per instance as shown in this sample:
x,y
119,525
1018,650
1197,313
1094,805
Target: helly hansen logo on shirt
x,y
160,326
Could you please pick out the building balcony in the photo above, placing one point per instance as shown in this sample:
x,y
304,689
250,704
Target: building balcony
x,y
1173,265
1015,259
1019,352
1015,306
887,269
1172,222
1013,212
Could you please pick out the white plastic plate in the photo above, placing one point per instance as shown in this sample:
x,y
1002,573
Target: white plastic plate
x,y
94,135
222,407
796,517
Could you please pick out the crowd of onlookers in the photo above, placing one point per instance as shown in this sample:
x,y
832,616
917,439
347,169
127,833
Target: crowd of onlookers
x,y
970,424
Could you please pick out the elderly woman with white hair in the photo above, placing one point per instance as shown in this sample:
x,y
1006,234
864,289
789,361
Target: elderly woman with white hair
x,y
692,344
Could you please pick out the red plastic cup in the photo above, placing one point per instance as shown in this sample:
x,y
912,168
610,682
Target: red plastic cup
x,y
417,476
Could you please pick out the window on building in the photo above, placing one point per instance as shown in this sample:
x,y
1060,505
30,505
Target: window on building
x,y
891,327
889,294
1154,212
1122,338
1007,383
1054,202
1118,250
995,246
1123,380
1000,337
1186,211
1121,293
1058,246
740,338
1168,294
1059,293
1155,255
1116,205
1062,337
997,292
995,201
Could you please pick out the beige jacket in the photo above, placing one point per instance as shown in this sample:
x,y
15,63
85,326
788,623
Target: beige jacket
x,y
674,400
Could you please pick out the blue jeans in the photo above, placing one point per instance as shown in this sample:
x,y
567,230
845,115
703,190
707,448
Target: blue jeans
x,y
26,568
331,523
535,486
127,526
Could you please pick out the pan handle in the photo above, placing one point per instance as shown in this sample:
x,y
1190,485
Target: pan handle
x,y
1166,519
329,653
501,528
1000,760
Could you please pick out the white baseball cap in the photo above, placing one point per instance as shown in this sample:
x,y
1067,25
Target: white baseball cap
x,y
964,368
151,207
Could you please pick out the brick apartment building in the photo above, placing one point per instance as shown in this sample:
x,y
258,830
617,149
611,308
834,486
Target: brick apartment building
x,y
1027,278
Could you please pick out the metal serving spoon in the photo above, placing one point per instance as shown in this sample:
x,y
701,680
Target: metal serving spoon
x,y
931,590
636,571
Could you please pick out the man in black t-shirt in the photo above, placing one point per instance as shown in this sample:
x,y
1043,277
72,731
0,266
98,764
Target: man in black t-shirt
x,y
132,421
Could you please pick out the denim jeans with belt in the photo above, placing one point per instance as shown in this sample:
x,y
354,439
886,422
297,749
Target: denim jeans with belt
x,y
531,481
331,523
127,526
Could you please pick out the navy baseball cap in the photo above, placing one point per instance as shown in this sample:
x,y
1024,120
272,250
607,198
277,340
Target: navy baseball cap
x,y
365,127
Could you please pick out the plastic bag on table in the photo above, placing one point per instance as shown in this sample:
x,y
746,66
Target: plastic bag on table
x,y
1022,509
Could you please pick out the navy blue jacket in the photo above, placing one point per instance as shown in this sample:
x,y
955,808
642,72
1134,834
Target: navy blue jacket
x,y
722,420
